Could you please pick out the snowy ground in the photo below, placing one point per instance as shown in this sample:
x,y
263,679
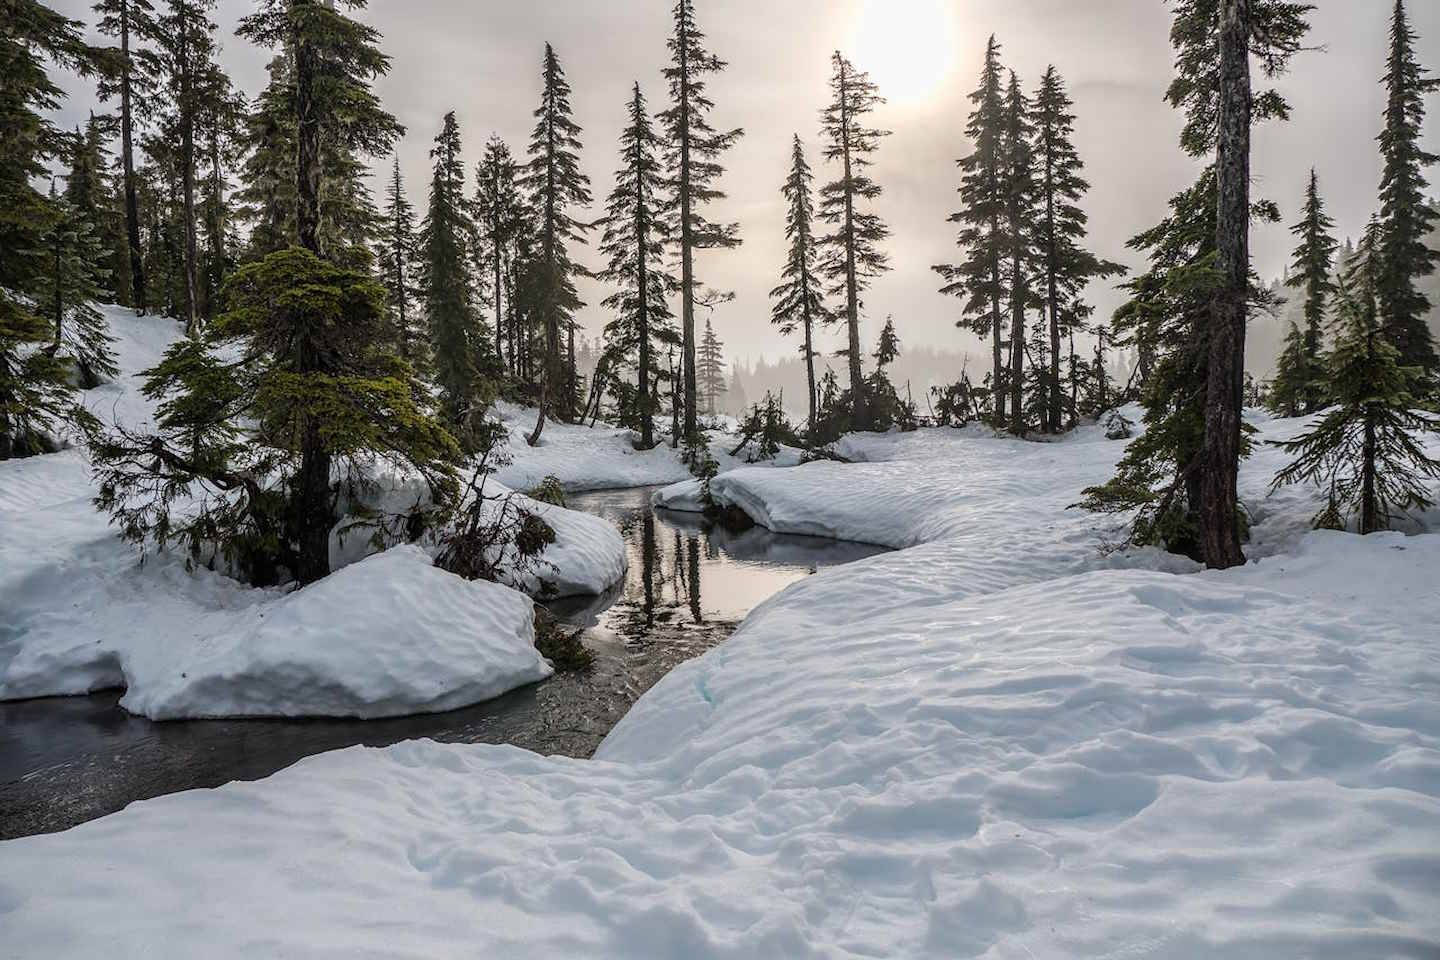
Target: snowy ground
x,y
994,743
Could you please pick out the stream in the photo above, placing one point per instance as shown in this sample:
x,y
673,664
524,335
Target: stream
x,y
66,760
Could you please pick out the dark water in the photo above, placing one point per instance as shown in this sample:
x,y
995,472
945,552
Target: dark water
x,y
65,760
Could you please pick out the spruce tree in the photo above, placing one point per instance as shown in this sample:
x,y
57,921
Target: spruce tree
x,y
1299,375
499,216
852,251
456,338
1406,219
693,159
800,297
1367,453
397,256
555,183
70,287
1061,229
978,280
133,80
636,233
710,368
1018,184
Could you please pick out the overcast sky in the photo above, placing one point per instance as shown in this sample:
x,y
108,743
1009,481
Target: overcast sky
x,y
481,58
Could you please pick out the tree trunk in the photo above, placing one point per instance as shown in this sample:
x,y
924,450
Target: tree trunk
x,y
499,314
187,174
1219,465
1053,298
997,385
1369,509
127,155
860,415
687,256
308,167
809,358
647,418
1017,343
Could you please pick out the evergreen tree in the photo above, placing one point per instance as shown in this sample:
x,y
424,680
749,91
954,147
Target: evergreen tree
x,y
69,289
132,79
634,243
852,252
1169,317
800,298
220,122
397,256
978,280
693,158
1299,375
1018,184
499,215
267,179
555,183
887,349
456,337
710,368
1061,229
1366,453
1405,218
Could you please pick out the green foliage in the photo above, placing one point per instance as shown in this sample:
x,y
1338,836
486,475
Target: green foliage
x,y
1298,386
710,369
764,430
549,490
800,296
68,291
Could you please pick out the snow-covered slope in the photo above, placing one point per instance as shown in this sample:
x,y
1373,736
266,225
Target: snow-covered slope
x,y
990,744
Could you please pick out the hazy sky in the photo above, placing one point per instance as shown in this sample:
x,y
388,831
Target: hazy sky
x,y
481,58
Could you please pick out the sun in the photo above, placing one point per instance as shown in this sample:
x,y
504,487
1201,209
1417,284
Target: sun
x,y
906,45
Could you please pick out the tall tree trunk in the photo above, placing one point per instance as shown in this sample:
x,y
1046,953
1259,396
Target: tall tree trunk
x,y
860,415
997,384
687,256
499,313
127,158
308,168
217,226
1017,341
1052,294
647,417
187,174
1224,396
809,357
1369,509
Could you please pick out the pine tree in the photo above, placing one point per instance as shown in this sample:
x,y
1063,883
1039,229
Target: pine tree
x,y
800,297
887,348
1018,185
1366,453
555,183
693,158
1298,387
1406,219
1169,317
1061,229
69,289
397,255
220,123
634,243
710,368
852,252
499,215
456,338
978,280
133,79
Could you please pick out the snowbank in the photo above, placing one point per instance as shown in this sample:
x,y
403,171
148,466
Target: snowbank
x,y
985,745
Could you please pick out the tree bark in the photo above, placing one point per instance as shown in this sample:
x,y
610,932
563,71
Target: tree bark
x,y
1053,300
1219,464
642,229
308,168
127,156
187,173
1017,341
860,415
687,240
1369,509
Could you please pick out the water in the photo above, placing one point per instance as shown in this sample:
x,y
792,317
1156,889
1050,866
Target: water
x,y
65,760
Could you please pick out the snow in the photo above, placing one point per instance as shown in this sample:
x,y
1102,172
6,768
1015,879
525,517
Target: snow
x,y
80,613
996,742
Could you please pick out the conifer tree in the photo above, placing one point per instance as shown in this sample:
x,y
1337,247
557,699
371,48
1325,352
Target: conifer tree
x,y
499,215
456,338
1299,374
1018,174
1366,453
887,348
800,297
636,233
710,368
70,286
852,251
1061,229
1406,219
695,149
397,258
555,183
132,79
1170,314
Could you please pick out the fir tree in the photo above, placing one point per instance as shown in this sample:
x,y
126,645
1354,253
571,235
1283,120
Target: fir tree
x,y
397,256
69,289
634,243
710,368
852,252
456,338
978,280
1018,184
800,298
695,149
220,122
887,348
555,183
1067,265
133,79
1405,218
1366,453
499,215
1298,387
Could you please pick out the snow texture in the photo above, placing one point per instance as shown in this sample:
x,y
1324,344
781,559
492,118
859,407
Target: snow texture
x,y
994,743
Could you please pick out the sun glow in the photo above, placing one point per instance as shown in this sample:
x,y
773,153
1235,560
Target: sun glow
x,y
906,45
